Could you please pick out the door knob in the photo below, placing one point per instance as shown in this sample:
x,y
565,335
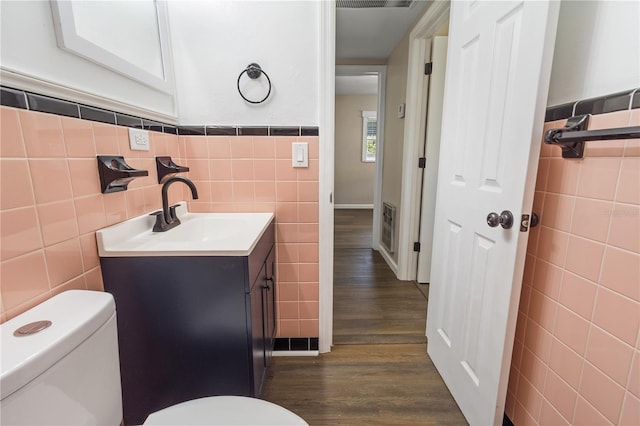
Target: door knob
x,y
493,219
504,219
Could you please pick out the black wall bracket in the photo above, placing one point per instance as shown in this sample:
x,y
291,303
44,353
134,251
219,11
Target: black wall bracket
x,y
166,167
574,134
569,149
115,174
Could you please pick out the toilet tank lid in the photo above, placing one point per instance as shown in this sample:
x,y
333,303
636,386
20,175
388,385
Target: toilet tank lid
x,y
75,315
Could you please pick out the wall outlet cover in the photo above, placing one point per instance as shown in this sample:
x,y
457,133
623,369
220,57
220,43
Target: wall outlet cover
x,y
139,140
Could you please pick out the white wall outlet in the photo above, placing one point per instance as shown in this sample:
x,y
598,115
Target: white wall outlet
x,y
300,154
139,140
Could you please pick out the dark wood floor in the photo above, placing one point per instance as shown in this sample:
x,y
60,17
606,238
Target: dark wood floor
x,y
369,304
363,385
378,371
352,229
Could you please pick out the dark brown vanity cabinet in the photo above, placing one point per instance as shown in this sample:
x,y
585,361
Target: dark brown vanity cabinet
x,y
192,326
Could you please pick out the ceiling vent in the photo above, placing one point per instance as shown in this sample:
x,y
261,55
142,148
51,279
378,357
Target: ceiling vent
x,y
361,4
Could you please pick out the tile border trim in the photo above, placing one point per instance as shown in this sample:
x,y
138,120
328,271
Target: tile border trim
x,y
506,421
17,98
621,101
295,344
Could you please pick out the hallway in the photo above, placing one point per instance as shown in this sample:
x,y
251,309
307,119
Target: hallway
x,y
378,372
369,304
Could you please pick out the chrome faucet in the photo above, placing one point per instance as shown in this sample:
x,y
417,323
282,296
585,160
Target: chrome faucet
x,y
167,218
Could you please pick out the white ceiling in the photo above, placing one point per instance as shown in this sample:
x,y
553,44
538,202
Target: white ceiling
x,y
373,32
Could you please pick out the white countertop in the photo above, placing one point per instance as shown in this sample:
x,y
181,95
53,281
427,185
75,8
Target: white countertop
x,y
199,234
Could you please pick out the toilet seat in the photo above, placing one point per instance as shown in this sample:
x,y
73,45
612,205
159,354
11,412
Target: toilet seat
x,y
224,410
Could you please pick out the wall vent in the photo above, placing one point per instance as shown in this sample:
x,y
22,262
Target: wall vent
x,y
361,4
388,226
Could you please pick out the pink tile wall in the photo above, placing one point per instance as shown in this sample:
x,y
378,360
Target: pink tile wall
x,y
51,205
254,174
576,356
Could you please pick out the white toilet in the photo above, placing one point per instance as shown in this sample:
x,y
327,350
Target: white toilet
x,y
67,372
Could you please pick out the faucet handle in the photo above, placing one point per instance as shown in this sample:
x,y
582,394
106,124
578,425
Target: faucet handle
x,y
172,212
160,224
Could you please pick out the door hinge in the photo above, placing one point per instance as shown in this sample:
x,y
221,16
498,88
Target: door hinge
x,y
422,162
428,68
416,247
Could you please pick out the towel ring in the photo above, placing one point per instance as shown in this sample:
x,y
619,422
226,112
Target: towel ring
x,y
254,71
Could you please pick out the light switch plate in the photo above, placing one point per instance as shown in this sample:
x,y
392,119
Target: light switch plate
x,y
139,140
300,154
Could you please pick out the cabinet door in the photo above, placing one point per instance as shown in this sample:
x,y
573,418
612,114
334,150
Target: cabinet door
x,y
257,332
269,304
263,320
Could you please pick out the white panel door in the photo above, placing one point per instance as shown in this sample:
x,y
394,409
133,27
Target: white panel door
x,y
498,66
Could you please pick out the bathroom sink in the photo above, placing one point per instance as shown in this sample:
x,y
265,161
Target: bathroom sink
x,y
199,234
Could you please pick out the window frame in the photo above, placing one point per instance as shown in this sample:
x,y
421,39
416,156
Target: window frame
x,y
367,117
68,39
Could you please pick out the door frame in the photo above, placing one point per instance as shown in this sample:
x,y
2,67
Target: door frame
x,y
437,13
381,71
414,125
326,121
434,102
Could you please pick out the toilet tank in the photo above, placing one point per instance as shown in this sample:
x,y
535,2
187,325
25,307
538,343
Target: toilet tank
x,y
67,373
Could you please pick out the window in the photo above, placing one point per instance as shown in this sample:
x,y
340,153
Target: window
x,y
369,130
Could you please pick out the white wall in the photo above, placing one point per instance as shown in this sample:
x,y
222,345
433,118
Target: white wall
x,y
354,179
597,50
213,41
28,46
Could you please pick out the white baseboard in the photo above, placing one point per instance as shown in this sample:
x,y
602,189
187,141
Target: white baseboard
x,y
353,206
387,258
295,353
